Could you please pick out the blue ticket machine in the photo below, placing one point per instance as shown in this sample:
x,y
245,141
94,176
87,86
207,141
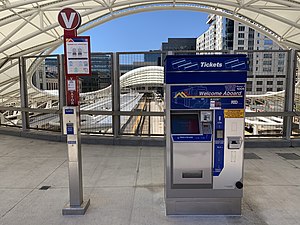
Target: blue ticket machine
x,y
205,101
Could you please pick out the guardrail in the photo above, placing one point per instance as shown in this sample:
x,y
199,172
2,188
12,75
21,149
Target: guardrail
x,y
276,114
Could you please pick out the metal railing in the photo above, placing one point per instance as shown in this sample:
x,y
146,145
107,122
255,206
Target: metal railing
x,y
125,94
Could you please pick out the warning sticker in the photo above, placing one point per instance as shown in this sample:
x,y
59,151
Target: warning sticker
x,y
236,113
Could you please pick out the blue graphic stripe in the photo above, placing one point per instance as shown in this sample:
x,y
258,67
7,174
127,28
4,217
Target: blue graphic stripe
x,y
205,77
219,142
191,138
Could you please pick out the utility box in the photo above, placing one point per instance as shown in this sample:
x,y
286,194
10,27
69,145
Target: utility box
x,y
205,101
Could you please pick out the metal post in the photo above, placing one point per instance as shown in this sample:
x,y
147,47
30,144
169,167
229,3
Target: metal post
x,y
75,171
23,93
289,95
116,95
71,117
149,119
71,127
62,87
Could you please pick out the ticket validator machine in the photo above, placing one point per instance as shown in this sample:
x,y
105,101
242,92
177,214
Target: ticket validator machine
x,y
205,100
71,127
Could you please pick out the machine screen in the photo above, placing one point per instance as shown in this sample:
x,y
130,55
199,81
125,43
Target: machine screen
x,y
184,124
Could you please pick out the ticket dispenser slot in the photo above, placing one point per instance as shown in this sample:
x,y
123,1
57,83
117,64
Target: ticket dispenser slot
x,y
206,128
234,142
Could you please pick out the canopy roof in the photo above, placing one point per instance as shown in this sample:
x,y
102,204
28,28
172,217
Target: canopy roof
x,y
30,27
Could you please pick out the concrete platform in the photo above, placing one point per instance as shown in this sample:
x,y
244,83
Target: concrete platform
x,y
125,186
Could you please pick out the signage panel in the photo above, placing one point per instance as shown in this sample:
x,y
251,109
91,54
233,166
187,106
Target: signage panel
x,y
236,113
72,92
206,69
69,111
69,19
228,96
189,63
78,55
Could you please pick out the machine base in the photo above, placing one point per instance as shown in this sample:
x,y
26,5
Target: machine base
x,y
203,206
76,210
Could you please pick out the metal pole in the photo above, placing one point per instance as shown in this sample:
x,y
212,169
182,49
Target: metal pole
x,y
62,82
116,95
289,95
23,93
149,119
77,205
62,87
71,117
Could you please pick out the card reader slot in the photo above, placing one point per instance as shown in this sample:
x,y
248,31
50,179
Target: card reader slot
x,y
206,128
193,174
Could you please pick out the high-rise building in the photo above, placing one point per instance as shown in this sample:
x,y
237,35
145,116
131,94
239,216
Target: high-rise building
x,y
212,39
179,44
267,69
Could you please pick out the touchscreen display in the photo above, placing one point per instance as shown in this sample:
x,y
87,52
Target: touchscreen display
x,y
184,124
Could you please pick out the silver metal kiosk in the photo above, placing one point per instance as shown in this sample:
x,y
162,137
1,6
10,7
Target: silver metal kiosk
x,y
71,126
205,100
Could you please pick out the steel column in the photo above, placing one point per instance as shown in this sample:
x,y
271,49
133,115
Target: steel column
x,y
61,88
116,95
289,94
23,93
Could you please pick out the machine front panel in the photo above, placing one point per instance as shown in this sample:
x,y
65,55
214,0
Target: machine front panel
x,y
192,163
205,100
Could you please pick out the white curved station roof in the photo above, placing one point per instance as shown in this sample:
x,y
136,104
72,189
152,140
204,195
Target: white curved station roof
x,y
30,27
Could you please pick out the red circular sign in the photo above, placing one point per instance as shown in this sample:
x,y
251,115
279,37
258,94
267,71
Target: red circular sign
x,y
69,19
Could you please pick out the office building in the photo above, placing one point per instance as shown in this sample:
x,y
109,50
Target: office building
x,y
46,76
101,66
179,44
267,69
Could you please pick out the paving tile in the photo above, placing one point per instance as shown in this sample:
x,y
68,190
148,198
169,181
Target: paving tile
x,y
275,204
126,186
117,171
37,150
40,207
26,172
153,151
251,155
289,156
151,171
10,198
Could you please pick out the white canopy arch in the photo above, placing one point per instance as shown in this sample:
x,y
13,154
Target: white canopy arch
x,y
30,27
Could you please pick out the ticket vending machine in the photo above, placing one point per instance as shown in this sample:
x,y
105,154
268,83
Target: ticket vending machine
x,y
205,100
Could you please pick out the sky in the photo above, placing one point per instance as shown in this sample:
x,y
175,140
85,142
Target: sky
x,y
145,31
